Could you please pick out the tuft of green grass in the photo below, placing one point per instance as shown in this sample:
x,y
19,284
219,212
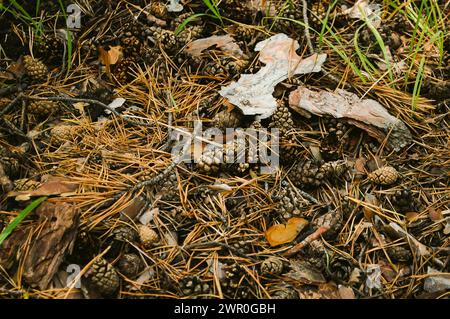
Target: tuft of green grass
x,y
212,6
19,218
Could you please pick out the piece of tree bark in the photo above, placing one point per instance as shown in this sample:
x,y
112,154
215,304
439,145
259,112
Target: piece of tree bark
x,y
55,237
366,114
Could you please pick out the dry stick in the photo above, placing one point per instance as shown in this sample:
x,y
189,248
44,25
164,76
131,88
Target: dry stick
x,y
308,240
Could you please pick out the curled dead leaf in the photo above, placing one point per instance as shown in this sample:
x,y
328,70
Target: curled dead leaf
x,y
281,234
253,93
52,186
222,42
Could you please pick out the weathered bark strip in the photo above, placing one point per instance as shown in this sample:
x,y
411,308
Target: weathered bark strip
x,y
366,114
59,222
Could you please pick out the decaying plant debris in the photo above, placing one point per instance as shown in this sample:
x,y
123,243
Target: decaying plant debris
x,y
358,208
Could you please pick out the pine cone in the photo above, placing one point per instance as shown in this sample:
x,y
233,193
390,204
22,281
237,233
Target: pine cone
x,y
210,161
272,266
124,233
225,119
284,291
333,143
132,46
63,133
103,277
165,38
35,69
340,269
404,201
291,11
386,175
147,236
399,254
4,102
51,48
242,246
234,285
158,9
25,184
43,108
193,286
289,202
130,265
169,188
282,120
307,173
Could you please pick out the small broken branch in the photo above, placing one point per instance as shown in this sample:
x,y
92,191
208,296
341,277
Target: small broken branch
x,y
307,241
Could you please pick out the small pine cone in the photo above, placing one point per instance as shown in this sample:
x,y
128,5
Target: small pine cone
x,y
319,13
399,254
289,151
165,38
233,285
43,108
404,201
193,286
63,133
291,11
104,277
340,269
242,246
335,169
244,34
189,33
124,233
122,70
272,266
289,202
169,188
282,120
51,48
307,173
130,265
386,175
284,291
147,236
158,9
35,69
132,45
225,119
210,161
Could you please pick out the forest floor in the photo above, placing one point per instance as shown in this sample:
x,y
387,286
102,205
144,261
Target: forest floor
x,y
96,95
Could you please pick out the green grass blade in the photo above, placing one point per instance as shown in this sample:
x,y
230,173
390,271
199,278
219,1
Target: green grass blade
x,y
189,19
418,83
213,8
24,213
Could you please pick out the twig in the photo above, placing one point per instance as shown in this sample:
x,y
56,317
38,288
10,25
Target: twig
x,y
306,22
307,241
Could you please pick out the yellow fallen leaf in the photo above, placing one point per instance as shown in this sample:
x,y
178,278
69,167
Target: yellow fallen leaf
x,y
110,57
280,234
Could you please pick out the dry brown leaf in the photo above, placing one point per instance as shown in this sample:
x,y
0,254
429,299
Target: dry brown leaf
x,y
57,232
52,186
253,93
133,209
222,42
281,234
110,57
367,114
